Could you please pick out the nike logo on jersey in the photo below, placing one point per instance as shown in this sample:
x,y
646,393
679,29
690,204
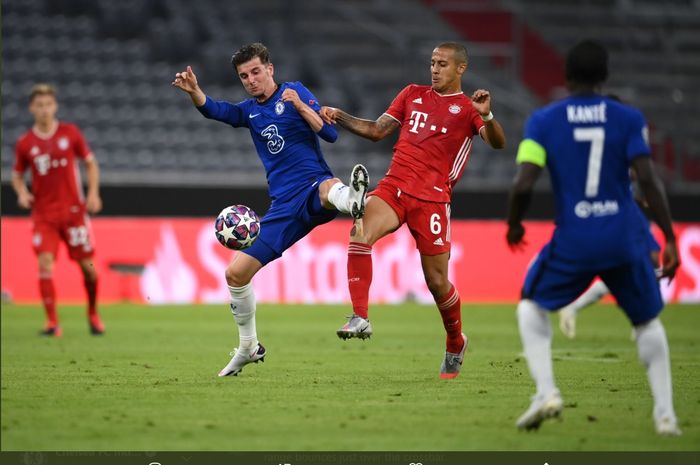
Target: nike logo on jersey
x,y
251,116
438,241
418,100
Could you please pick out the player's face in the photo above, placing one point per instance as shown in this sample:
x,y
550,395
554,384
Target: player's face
x,y
43,108
446,72
256,77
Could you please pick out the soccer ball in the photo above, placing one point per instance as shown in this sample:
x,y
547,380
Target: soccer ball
x,y
237,227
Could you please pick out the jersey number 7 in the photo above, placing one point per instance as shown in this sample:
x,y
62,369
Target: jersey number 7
x,y
596,136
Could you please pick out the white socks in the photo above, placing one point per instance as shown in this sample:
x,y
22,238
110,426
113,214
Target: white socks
x,y
243,309
654,354
536,334
338,195
592,295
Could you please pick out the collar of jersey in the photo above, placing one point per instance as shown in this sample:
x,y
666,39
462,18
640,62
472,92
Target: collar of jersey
x,y
46,135
446,95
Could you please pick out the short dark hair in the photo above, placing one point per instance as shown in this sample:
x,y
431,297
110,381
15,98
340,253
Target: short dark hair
x,y
587,63
460,51
248,52
42,89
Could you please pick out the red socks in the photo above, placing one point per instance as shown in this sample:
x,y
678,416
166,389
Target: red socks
x,y
451,313
359,276
48,297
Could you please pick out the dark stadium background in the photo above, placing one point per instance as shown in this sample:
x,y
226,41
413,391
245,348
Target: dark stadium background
x,y
113,62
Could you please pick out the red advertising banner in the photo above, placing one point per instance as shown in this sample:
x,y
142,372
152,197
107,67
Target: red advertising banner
x,y
165,261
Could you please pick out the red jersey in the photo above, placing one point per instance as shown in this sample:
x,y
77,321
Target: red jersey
x,y
434,143
56,184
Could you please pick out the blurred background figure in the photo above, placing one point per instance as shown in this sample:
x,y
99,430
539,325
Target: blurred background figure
x,y
59,208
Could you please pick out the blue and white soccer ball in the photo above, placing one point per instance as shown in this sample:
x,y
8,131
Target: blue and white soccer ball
x,y
237,227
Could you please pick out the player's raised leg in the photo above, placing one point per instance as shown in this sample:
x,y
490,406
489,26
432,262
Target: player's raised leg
x,y
90,282
378,221
47,291
346,199
239,274
536,335
568,314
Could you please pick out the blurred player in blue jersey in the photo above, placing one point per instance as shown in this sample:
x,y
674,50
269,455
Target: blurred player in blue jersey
x,y
598,290
588,143
285,126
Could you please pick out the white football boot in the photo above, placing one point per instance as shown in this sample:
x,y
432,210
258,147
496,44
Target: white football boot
x,y
359,181
542,408
567,322
355,327
241,359
453,362
667,426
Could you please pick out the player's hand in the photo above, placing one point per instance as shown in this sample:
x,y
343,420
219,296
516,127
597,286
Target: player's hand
x,y
514,237
93,203
671,262
186,80
329,114
291,95
481,101
25,200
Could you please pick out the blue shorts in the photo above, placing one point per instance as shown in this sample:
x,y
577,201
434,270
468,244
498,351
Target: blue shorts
x,y
554,282
287,221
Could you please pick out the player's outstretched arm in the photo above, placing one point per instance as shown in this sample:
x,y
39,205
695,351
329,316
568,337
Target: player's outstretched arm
x,y
372,130
313,119
187,81
518,203
655,196
492,132
25,199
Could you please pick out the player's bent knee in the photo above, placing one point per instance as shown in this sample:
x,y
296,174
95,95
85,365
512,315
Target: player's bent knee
x,y
325,187
46,263
235,277
438,285
88,269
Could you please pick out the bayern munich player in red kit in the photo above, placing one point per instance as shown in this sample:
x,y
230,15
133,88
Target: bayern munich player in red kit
x,y
59,210
438,123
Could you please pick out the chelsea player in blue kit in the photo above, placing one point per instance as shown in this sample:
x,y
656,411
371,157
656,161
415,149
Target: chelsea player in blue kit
x,y
285,126
588,143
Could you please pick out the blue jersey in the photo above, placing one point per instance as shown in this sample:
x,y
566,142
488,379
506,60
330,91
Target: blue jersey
x,y
588,143
286,144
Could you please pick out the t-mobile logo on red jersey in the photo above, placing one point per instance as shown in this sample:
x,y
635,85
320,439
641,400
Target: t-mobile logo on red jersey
x,y
419,120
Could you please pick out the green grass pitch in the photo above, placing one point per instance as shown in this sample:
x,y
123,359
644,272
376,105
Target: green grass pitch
x,y
150,383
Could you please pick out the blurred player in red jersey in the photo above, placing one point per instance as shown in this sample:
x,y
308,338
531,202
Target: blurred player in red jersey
x,y
59,210
437,125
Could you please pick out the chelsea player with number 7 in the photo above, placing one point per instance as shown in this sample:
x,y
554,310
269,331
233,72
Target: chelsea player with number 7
x,y
285,126
589,142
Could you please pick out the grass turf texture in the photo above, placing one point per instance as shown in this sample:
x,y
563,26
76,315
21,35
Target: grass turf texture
x,y
150,383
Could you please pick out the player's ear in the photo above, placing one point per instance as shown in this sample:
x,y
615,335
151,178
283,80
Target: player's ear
x,y
461,68
271,69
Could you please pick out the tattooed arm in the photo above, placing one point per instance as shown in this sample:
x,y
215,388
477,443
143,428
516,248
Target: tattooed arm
x,y
372,130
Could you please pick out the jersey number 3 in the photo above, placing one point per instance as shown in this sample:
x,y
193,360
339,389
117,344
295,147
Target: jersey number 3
x,y
596,137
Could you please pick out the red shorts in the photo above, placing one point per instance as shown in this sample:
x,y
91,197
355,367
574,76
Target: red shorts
x,y
72,228
429,222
